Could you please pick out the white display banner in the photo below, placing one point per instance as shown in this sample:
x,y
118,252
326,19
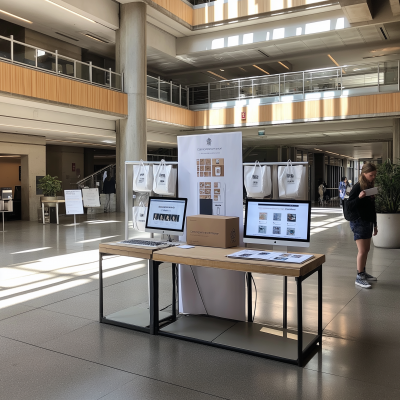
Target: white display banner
x,y
210,176
73,202
91,197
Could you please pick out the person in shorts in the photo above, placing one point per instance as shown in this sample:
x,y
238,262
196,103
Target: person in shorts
x,y
365,225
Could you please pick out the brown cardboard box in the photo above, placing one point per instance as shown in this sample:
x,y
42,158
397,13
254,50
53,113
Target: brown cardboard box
x,y
212,231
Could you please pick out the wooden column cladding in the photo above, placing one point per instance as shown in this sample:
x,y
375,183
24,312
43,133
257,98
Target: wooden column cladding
x,y
31,83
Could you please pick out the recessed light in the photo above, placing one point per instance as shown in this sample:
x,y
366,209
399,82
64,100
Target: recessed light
x,y
219,76
91,36
265,72
72,12
284,65
16,16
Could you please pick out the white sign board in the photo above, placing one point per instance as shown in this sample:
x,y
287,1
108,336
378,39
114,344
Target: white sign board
x,y
73,202
210,176
91,197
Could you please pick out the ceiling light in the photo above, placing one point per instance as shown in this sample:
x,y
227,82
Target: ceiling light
x,y
15,16
96,38
219,76
232,22
72,12
253,18
242,69
261,69
222,70
108,141
333,60
318,149
284,65
66,141
66,36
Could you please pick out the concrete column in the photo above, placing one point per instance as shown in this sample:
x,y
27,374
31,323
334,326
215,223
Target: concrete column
x,y
385,151
131,135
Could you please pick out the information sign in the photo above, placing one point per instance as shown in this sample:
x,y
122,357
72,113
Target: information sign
x,y
73,202
91,197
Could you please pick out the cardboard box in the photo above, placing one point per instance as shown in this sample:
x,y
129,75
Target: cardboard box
x,y
212,231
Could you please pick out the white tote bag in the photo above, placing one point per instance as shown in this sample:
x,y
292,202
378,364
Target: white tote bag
x,y
164,179
139,217
291,181
142,177
257,180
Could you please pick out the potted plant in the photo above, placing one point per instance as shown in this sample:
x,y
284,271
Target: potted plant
x,y
388,206
50,185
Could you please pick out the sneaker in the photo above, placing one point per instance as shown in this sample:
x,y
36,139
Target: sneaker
x,y
361,281
370,277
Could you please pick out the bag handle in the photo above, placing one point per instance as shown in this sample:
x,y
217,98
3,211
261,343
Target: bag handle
x,y
161,165
257,164
141,165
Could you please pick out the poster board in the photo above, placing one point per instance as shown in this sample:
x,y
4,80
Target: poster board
x,y
91,197
73,202
210,176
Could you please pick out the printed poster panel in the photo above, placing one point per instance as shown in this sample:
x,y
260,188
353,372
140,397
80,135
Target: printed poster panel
x,y
210,176
73,202
91,197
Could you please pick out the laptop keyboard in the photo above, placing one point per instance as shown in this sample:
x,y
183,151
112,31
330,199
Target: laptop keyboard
x,y
148,243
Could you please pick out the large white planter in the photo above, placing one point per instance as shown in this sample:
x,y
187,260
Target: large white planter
x,y
388,231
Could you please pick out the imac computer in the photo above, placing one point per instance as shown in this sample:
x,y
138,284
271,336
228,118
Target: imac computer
x,y
278,222
166,215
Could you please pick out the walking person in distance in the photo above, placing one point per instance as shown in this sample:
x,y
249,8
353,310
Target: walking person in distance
x,y
343,185
363,227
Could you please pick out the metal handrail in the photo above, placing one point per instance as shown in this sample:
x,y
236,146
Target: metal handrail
x,y
159,81
95,173
58,56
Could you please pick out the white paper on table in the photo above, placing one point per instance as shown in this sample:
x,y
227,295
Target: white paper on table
x,y
271,256
371,192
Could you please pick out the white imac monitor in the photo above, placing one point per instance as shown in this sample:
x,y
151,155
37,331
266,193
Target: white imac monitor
x,y
166,215
278,222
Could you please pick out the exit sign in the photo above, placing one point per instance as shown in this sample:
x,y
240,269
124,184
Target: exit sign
x,y
243,115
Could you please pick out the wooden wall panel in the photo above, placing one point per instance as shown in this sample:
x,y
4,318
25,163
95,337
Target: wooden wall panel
x,y
31,83
178,8
214,12
157,111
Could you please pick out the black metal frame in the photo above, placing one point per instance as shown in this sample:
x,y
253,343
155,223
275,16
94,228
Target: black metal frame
x,y
156,323
301,354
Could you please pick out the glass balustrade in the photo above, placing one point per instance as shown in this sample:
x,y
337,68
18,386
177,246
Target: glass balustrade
x,y
167,91
337,81
52,62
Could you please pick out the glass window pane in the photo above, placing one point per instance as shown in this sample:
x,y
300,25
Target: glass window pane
x,y
24,54
82,71
165,91
116,81
152,87
5,49
175,94
184,93
99,76
65,66
46,60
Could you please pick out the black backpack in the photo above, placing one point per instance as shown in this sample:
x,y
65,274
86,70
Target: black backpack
x,y
349,215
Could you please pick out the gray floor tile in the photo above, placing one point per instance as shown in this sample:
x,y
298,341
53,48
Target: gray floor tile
x,y
11,311
352,359
38,374
39,326
141,388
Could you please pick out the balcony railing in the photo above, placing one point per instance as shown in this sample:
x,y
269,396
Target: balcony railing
x,y
55,63
167,91
298,86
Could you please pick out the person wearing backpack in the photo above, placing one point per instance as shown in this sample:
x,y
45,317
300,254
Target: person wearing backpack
x,y
359,209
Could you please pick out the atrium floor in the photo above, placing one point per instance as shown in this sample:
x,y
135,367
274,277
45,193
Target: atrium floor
x,y
53,348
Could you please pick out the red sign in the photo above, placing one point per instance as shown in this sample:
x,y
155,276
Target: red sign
x,y
243,115
73,166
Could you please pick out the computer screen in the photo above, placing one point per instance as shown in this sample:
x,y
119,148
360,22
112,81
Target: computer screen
x,y
277,221
166,215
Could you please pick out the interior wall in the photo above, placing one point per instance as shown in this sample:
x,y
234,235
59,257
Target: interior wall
x,y
60,160
9,172
33,163
52,44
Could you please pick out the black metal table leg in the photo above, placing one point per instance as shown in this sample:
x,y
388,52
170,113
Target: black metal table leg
x,y
285,302
299,322
154,296
174,291
320,304
249,298
101,287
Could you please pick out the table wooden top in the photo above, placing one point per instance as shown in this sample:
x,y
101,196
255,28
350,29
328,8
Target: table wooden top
x,y
52,201
216,258
121,249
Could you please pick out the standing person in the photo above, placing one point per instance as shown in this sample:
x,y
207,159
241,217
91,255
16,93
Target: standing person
x,y
342,189
364,207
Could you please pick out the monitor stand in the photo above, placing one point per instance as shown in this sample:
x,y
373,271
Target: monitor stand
x,y
281,249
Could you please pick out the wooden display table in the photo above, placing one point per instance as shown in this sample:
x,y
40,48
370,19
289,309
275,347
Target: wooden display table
x,y
247,337
135,317
57,202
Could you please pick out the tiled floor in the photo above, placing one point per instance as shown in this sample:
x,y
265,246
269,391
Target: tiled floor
x,y
53,348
